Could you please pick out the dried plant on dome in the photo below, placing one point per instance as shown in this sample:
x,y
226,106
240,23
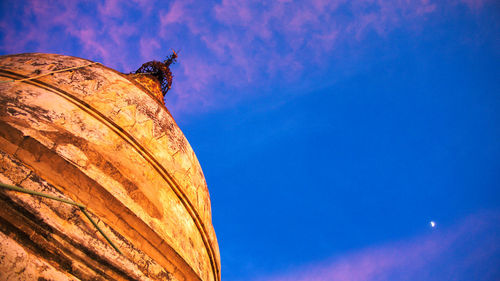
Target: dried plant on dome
x,y
160,71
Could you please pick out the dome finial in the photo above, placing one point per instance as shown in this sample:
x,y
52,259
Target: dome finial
x,y
160,71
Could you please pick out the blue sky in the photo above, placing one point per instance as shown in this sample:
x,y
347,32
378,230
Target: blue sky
x,y
330,132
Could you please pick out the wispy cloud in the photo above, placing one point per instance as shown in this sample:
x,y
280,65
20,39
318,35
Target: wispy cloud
x,y
239,45
469,250
255,41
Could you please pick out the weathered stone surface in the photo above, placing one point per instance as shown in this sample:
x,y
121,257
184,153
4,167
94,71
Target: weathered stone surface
x,y
18,264
102,139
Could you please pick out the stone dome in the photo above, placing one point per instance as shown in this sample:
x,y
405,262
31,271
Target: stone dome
x,y
105,140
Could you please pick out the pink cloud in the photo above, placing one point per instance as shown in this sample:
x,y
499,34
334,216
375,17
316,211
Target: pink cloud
x,y
90,42
149,48
111,8
104,36
174,15
46,15
254,41
445,254
248,41
251,41
194,80
231,12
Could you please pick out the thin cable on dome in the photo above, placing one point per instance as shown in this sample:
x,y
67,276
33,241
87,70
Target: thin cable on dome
x,y
82,207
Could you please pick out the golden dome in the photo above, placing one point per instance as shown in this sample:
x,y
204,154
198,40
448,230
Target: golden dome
x,y
100,138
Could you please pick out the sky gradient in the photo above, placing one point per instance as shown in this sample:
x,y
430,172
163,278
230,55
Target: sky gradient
x,y
330,132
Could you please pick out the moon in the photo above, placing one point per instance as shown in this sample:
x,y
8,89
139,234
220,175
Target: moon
x,y
433,224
